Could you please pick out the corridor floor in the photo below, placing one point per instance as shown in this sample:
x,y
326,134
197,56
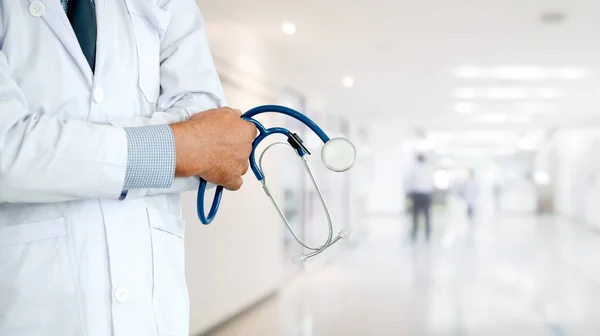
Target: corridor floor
x,y
509,276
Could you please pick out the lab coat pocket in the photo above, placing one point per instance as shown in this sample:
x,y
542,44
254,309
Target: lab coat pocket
x,y
38,294
149,24
29,233
171,301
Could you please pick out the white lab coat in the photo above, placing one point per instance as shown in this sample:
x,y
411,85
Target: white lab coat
x,y
74,260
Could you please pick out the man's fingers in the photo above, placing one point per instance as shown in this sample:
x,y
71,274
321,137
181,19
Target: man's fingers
x,y
252,129
245,167
235,184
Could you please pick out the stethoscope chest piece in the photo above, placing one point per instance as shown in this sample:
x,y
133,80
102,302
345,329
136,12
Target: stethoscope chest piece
x,y
338,154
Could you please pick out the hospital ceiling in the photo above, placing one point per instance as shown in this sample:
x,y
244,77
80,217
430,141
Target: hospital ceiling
x,y
433,64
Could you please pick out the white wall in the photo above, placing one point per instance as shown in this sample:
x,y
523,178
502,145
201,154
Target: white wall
x,y
387,189
519,198
238,259
390,149
361,179
576,173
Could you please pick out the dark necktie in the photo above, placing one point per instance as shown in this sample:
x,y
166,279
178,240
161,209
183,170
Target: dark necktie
x,y
82,15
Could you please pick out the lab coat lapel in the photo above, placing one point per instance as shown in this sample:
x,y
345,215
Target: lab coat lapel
x,y
57,20
100,39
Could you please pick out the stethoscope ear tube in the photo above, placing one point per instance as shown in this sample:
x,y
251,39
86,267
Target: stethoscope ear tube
x,y
331,240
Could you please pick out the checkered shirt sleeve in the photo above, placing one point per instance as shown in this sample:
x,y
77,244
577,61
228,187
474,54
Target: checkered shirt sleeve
x,y
150,157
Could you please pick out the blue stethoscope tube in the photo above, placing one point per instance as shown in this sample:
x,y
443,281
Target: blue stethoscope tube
x,y
263,134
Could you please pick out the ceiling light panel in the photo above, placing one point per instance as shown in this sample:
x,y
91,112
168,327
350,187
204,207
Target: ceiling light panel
x,y
536,107
502,118
572,73
521,72
465,93
492,118
507,93
465,108
518,73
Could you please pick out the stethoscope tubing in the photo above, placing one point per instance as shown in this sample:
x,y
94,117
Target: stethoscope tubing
x,y
263,134
280,212
257,169
291,113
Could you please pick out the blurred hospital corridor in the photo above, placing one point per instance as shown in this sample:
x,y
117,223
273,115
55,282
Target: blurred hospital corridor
x,y
508,276
409,168
479,116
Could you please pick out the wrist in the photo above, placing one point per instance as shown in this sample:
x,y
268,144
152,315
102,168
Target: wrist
x,y
186,146
178,136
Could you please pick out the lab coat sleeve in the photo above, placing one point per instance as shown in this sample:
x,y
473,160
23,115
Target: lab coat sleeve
x,y
45,159
189,79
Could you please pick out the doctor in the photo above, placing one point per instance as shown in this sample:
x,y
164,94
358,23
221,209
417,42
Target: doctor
x,y
99,134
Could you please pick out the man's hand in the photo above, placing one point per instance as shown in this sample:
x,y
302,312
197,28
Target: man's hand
x,y
214,145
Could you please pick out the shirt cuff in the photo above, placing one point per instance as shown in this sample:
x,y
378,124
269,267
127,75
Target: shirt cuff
x,y
150,157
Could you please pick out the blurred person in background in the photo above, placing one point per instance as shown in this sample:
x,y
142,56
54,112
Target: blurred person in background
x,y
420,190
469,193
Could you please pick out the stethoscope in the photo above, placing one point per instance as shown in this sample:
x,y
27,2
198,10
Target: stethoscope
x,y
337,154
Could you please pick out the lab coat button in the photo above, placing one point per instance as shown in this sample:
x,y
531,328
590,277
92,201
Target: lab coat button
x,y
37,8
121,294
98,95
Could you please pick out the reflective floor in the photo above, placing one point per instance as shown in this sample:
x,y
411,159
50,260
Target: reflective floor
x,y
508,276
